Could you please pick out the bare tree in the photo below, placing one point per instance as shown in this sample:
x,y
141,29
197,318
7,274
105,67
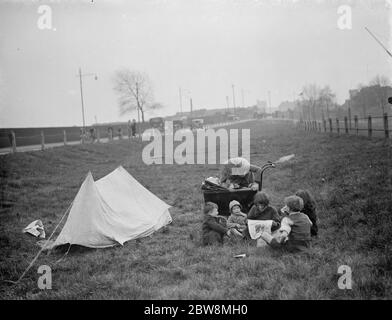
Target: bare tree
x,y
311,94
380,84
134,90
326,99
381,81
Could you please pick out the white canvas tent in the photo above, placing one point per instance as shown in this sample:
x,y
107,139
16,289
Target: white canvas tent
x,y
111,211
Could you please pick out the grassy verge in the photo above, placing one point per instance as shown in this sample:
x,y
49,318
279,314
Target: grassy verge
x,y
350,178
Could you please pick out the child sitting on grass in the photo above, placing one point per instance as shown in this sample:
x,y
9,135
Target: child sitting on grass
x,y
261,210
294,232
213,228
309,209
237,219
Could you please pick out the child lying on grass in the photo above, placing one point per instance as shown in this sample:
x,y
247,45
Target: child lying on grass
x,y
214,227
294,232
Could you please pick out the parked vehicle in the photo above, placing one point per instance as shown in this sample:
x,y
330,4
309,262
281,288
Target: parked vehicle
x,y
178,124
233,117
197,123
157,123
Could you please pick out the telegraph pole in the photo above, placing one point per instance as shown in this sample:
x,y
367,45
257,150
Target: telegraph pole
x,y
80,75
227,103
81,96
269,101
180,92
233,98
190,100
242,96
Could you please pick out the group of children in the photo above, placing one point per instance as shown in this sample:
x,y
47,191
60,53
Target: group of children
x,y
292,226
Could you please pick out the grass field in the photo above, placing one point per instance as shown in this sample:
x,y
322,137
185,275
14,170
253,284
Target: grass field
x,y
350,177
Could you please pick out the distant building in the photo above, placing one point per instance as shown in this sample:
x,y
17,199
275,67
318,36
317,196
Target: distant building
x,y
286,105
353,93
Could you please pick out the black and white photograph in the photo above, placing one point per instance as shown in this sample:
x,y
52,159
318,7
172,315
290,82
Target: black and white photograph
x,y
213,152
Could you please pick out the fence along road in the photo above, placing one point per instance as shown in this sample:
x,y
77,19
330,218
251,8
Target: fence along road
x,y
378,127
43,145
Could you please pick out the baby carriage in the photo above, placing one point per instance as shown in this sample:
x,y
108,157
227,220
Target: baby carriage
x,y
222,196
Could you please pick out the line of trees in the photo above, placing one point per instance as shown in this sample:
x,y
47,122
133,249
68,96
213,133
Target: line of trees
x,y
320,102
135,92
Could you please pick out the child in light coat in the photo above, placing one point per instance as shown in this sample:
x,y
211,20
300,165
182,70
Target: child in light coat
x,y
237,219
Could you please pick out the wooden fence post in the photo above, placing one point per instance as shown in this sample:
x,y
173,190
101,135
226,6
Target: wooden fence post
x,y
386,125
111,135
370,126
349,118
42,140
337,125
65,137
13,143
356,124
330,124
345,125
325,125
98,135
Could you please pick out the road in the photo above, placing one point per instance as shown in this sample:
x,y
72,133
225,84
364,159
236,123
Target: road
x,y
37,147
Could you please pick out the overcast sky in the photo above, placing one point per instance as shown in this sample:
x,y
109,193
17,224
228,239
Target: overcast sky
x,y
202,46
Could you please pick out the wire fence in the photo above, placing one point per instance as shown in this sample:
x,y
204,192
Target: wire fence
x,y
370,126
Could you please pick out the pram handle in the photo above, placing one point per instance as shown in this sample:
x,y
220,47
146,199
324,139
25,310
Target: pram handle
x,y
268,165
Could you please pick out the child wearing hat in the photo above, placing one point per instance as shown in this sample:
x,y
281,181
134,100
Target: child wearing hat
x,y
237,219
294,233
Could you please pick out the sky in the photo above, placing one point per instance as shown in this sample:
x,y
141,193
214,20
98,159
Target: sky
x,y
202,46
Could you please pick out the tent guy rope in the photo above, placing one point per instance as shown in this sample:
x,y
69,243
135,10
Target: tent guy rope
x,y
42,249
